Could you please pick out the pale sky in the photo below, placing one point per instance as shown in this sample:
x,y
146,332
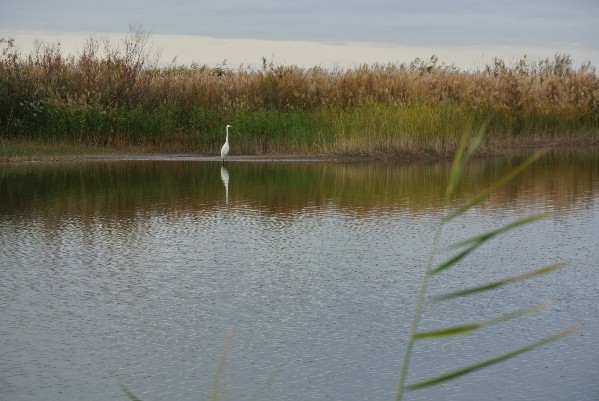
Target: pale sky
x,y
466,33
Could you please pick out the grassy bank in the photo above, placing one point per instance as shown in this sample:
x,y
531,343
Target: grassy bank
x,y
117,96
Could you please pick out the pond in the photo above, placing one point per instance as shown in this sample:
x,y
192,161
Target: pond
x,y
288,280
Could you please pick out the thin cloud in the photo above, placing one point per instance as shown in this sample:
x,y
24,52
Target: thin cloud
x,y
435,22
465,26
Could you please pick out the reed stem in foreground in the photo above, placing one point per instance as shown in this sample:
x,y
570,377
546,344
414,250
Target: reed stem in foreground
x,y
465,151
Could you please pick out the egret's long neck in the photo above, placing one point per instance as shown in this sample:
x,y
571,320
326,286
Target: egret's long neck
x,y
227,139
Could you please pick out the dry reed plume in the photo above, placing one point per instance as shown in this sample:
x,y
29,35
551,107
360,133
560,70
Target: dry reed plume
x,y
119,94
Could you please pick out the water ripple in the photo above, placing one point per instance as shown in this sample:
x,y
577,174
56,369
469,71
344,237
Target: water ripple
x,y
319,300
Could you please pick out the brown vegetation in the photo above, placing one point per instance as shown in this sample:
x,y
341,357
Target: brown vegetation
x,y
119,95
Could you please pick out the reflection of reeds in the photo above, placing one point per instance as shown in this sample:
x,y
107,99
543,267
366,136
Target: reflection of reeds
x,y
118,95
127,191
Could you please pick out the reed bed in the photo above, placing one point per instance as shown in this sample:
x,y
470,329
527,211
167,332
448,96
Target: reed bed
x,y
117,94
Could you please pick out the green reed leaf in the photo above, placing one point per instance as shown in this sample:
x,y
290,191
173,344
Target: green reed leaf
x,y
500,283
448,331
128,393
457,165
469,328
494,187
455,259
479,239
475,143
465,151
460,372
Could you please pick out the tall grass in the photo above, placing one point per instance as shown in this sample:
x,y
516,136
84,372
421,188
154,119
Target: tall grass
x,y
118,94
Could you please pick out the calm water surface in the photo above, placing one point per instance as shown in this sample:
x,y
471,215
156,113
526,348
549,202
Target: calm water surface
x,y
134,272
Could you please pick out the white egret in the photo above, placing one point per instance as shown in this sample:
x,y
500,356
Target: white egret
x,y
225,149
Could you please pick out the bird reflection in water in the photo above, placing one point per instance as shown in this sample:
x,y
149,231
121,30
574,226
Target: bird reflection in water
x,y
224,175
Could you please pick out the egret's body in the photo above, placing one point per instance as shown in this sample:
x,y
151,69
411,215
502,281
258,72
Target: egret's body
x,y
224,151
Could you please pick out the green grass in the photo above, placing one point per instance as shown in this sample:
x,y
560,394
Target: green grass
x,y
375,129
21,150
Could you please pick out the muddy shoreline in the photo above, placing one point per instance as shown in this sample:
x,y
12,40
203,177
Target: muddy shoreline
x,y
409,156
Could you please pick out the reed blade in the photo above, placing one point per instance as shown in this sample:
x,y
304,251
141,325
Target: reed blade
x,y
460,372
454,260
128,393
465,151
494,187
469,328
490,234
499,283
478,240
